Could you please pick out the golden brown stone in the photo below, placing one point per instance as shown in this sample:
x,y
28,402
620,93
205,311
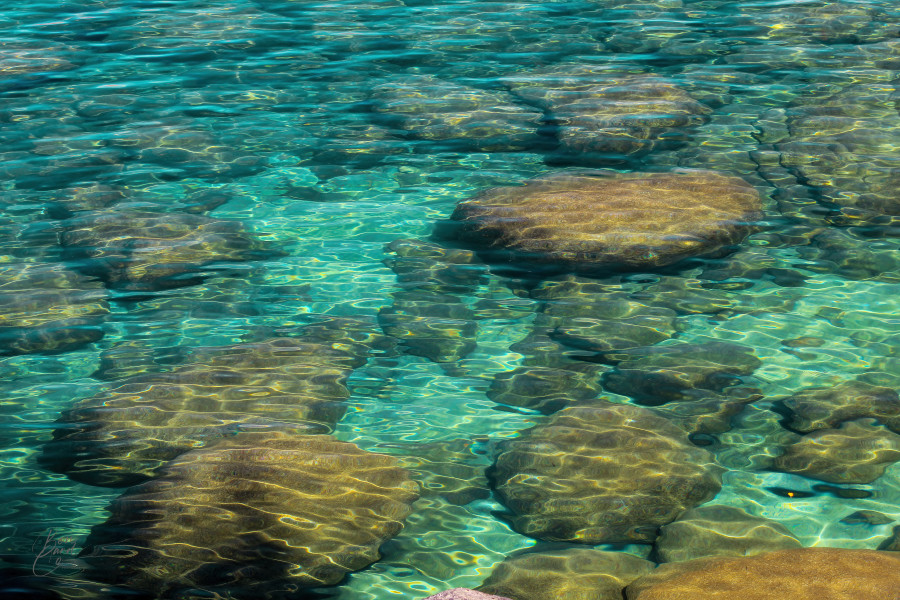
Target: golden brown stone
x,y
259,513
827,407
601,473
856,452
799,574
589,221
143,250
48,308
573,574
124,435
720,530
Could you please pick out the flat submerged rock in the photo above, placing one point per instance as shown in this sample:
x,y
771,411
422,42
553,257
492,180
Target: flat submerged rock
x,y
799,574
595,221
258,516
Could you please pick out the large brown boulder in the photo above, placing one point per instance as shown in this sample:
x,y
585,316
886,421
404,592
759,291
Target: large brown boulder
x,y
720,530
48,308
680,372
856,452
601,473
827,407
151,251
259,514
591,221
122,436
432,109
607,115
573,574
799,574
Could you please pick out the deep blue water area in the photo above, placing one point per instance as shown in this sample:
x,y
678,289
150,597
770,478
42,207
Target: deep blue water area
x,y
230,286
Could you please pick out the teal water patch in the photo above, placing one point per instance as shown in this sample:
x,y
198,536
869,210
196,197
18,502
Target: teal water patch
x,y
182,179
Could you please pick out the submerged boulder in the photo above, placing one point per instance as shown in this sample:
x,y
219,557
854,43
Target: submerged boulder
x,y
708,413
546,389
609,116
592,222
827,407
601,473
124,435
842,145
585,315
153,251
573,574
439,327
430,109
892,543
680,372
856,452
428,316
799,574
48,308
720,530
259,514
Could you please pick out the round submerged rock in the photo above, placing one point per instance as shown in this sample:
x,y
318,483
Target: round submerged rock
x,y
604,473
817,408
124,435
48,308
573,574
596,221
856,452
799,574
137,250
259,515
720,530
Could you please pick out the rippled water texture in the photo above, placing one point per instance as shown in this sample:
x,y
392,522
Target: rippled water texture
x,y
359,300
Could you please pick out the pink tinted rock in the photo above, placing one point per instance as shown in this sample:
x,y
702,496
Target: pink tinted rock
x,y
464,594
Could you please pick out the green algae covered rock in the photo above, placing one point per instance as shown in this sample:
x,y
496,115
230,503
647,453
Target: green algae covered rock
x,y
720,530
799,574
546,389
573,574
258,514
601,473
592,222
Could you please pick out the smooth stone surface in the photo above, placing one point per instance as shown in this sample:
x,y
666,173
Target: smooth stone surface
x,y
718,530
826,407
870,517
680,372
856,452
138,250
800,574
428,108
122,436
601,473
595,221
48,308
572,574
259,514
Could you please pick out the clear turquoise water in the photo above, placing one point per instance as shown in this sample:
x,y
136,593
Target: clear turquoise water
x,y
274,101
